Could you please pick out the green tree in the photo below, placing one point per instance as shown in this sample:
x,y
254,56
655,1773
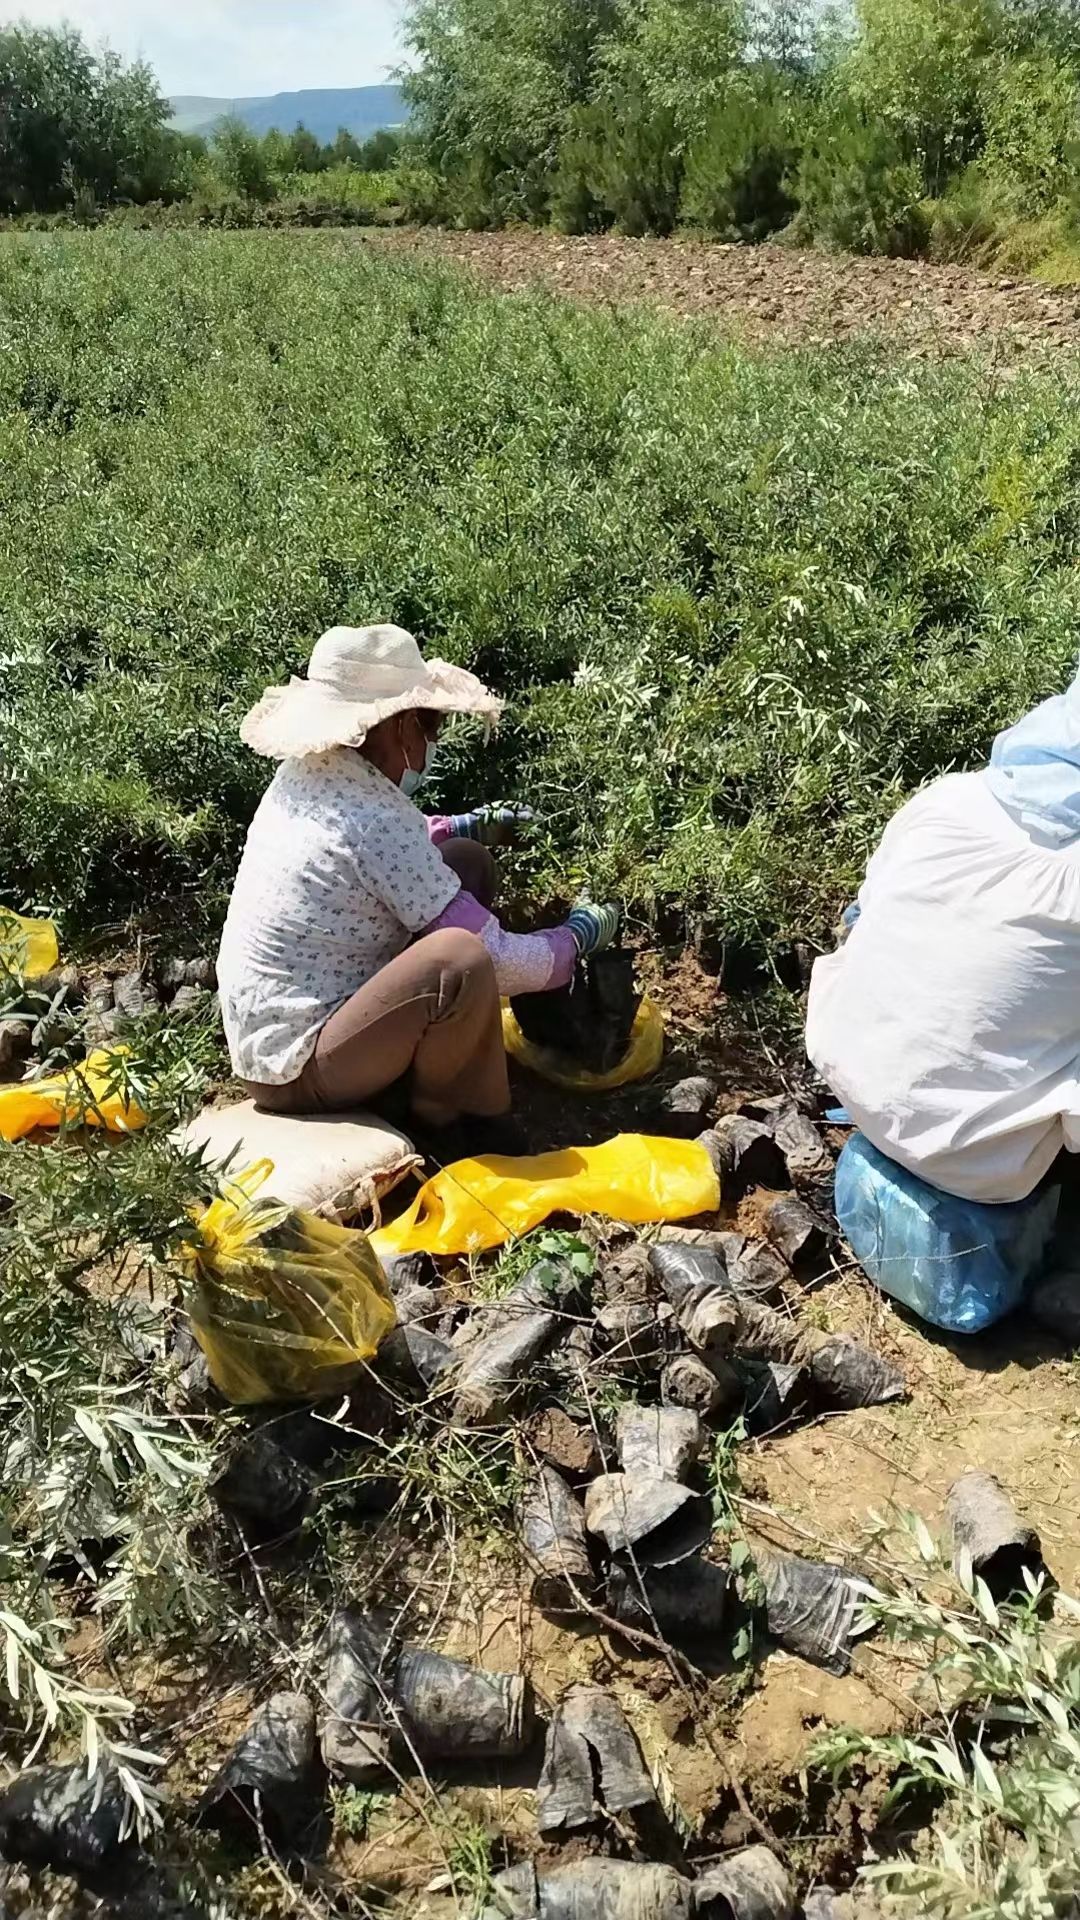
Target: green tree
x,y
346,150
76,123
129,150
277,153
240,160
783,33
305,151
738,172
678,55
380,153
917,71
579,200
186,165
1030,109
620,165
493,85
855,187
1046,26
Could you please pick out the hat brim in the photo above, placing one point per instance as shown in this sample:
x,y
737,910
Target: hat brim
x,y
289,723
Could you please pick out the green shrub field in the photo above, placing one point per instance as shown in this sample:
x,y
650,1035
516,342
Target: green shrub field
x,y
739,602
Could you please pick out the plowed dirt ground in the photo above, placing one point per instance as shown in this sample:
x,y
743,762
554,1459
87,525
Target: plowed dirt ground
x,y
770,293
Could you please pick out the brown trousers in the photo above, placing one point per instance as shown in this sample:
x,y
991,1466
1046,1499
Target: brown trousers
x,y
432,1014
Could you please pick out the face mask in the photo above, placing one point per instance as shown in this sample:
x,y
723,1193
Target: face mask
x,y
412,779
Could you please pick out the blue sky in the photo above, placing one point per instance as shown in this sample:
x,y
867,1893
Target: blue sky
x,y
235,47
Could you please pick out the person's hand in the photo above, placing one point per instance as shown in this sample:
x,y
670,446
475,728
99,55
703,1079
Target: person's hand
x,y
491,826
503,826
594,928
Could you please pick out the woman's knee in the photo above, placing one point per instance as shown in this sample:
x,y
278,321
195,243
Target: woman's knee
x,y
463,964
475,868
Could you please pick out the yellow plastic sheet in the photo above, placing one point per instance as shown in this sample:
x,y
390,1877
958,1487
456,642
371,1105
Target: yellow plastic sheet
x,y
477,1204
88,1092
642,1057
27,947
284,1305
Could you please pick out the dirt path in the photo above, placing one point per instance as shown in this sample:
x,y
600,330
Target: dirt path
x,y
769,292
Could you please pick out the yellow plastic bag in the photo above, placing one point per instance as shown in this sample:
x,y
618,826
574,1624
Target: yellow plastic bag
x,y
477,1204
89,1092
27,947
642,1056
284,1305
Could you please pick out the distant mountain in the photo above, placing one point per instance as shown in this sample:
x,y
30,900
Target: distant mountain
x,y
363,110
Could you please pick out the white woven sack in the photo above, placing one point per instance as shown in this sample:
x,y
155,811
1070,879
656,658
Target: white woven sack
x,y
336,1165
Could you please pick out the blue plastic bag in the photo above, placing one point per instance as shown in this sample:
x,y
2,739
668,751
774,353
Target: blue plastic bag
x,y
957,1264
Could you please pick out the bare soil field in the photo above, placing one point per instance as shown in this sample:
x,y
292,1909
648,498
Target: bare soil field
x,y
770,293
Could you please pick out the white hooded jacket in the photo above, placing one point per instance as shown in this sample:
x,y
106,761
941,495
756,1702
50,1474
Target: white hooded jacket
x,y
949,1022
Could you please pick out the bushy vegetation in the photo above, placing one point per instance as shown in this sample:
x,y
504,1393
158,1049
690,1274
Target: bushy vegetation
x,y
884,126
740,604
100,1479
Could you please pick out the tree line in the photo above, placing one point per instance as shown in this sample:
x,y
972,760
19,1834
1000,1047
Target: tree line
x,y
81,130
946,127
880,125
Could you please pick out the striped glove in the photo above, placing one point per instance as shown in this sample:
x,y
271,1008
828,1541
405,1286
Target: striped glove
x,y
491,826
593,928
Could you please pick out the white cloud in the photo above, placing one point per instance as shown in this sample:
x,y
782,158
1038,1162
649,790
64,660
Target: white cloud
x,y
239,47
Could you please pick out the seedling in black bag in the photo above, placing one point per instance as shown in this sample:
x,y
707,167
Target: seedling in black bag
x,y
590,1020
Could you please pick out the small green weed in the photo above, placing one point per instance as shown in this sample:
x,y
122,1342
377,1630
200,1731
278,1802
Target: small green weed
x,y
470,1862
464,1481
726,1488
724,1476
91,1454
520,1256
354,1808
605,1397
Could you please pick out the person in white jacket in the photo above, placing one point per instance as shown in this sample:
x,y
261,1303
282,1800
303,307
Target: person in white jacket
x,y
948,1023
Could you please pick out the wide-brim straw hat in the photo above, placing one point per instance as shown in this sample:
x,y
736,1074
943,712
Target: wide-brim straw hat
x,y
356,677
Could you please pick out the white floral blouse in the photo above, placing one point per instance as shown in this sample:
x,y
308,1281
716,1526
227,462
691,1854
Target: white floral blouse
x,y
337,877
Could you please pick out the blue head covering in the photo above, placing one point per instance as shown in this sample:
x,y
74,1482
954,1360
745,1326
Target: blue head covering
x,y
1034,769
